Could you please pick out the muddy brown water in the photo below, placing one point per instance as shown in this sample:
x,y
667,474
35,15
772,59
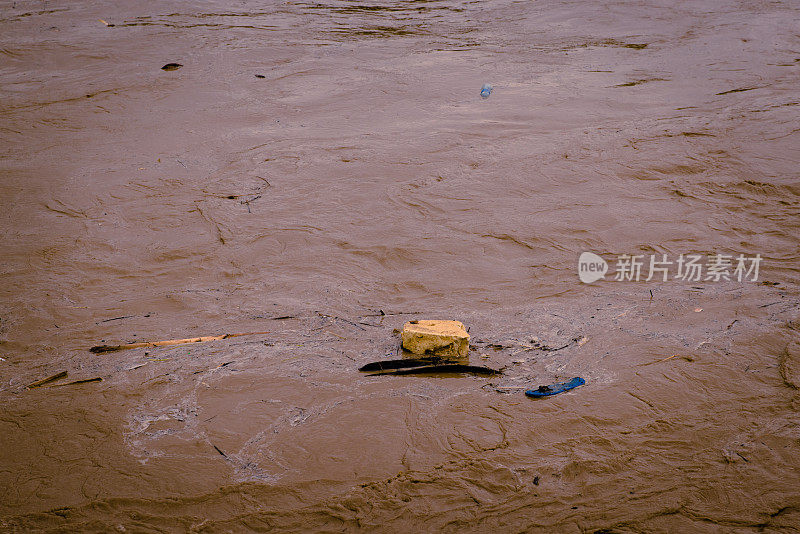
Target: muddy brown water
x,y
360,181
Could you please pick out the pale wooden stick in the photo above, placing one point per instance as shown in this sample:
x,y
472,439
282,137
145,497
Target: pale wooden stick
x,y
102,349
40,383
84,381
659,361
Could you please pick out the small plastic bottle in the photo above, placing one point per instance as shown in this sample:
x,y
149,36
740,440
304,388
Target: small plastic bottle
x,y
486,90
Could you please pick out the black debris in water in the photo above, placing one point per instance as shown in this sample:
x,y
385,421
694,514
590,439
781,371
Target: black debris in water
x,y
443,369
402,363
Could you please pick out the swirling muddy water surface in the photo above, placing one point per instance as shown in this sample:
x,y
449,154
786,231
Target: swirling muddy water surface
x,y
325,171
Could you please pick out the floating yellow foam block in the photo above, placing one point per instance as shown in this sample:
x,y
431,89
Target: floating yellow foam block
x,y
440,338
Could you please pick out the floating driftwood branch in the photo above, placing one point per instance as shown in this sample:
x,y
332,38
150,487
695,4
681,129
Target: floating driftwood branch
x,y
57,376
76,382
102,349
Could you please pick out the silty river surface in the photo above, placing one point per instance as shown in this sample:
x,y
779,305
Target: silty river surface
x,y
322,172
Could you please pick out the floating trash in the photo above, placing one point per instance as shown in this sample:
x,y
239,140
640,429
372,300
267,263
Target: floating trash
x,y
442,338
554,389
443,369
404,363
